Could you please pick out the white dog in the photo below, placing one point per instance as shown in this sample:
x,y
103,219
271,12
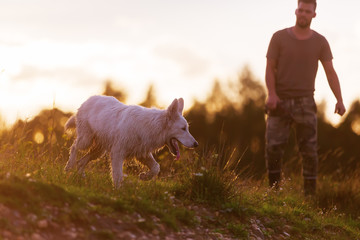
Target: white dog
x,y
104,124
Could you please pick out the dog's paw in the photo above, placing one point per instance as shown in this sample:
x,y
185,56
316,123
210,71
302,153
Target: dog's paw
x,y
145,176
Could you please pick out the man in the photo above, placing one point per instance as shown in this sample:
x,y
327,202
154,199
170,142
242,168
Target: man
x,y
292,63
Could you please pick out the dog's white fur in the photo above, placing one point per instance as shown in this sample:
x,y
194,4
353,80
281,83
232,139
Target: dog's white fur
x,y
104,124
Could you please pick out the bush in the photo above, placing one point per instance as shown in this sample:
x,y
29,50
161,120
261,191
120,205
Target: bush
x,y
208,179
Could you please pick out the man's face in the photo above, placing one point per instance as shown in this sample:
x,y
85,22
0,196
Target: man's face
x,y
304,14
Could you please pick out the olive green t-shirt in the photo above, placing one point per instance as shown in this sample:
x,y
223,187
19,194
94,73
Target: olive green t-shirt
x,y
297,62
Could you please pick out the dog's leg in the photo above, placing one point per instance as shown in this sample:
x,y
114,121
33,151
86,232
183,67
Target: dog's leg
x,y
154,167
83,141
117,168
72,159
93,154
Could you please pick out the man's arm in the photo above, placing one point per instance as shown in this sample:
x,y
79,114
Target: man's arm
x,y
335,86
273,98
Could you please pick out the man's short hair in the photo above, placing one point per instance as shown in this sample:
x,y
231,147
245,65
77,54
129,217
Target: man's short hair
x,y
308,1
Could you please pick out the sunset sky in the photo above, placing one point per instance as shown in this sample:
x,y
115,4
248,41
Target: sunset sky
x,y
63,51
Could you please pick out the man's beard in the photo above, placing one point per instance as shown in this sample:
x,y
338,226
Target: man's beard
x,y
303,23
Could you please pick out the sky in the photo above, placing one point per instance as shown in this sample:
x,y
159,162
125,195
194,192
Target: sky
x,y
59,53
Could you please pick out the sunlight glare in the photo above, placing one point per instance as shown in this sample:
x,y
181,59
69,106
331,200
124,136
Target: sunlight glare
x,y
355,125
39,137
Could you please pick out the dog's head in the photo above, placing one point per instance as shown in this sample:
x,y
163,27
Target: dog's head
x,y
178,128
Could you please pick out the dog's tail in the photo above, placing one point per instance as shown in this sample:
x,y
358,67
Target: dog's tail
x,y
71,123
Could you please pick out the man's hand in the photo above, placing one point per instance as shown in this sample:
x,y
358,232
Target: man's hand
x,y
272,102
340,108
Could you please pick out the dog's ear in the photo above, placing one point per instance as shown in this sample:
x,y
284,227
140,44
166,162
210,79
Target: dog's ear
x,y
176,107
181,105
173,108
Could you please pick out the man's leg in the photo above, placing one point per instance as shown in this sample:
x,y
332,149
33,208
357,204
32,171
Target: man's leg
x,y
277,135
306,133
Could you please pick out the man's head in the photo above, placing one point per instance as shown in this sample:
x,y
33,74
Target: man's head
x,y
309,1
305,13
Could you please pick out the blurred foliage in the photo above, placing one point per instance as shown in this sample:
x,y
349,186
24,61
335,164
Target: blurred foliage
x,y
110,90
231,121
150,99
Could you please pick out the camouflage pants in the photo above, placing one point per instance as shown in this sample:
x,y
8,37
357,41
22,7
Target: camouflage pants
x,y
301,114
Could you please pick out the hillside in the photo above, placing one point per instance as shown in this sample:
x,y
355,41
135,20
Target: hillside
x,y
39,201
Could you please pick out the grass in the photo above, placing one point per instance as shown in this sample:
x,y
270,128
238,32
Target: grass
x,y
207,182
201,190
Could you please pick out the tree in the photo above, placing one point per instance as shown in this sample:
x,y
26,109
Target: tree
x,y
110,90
150,99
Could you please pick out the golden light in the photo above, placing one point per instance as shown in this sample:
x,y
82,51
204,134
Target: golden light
x,y
39,137
355,125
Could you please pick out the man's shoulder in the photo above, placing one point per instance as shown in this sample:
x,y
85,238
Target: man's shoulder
x,y
281,35
281,32
319,36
